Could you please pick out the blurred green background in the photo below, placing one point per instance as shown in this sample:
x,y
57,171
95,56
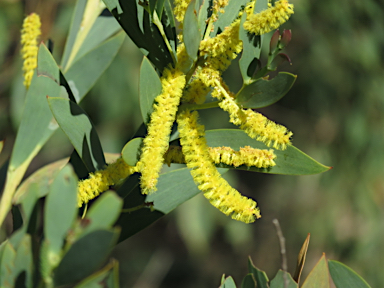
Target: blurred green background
x,y
335,109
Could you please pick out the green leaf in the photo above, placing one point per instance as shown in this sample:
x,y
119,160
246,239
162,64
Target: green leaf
x,y
83,73
231,11
37,124
38,183
319,276
260,276
138,25
166,199
85,256
103,213
24,260
7,266
77,17
262,92
106,277
343,276
290,161
203,15
76,124
60,209
191,31
252,45
149,87
168,22
228,283
103,28
278,281
248,282
131,151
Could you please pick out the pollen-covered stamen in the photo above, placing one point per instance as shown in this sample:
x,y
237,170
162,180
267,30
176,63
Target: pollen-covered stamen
x,y
29,35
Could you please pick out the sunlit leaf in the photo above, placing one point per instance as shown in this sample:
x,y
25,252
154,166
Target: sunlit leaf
x,y
260,276
83,74
79,129
319,276
228,283
131,150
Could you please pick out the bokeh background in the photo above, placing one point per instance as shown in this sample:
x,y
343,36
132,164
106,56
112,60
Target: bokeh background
x,y
335,109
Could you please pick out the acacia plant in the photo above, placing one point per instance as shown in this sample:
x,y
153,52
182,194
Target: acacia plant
x,y
90,205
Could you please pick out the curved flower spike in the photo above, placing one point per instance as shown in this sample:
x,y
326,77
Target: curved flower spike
x,y
219,193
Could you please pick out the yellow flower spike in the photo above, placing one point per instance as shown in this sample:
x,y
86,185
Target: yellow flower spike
x,y
29,35
253,123
219,193
247,155
155,143
101,180
269,19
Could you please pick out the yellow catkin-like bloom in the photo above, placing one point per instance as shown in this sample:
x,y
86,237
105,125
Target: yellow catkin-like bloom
x,y
29,35
180,6
101,180
155,143
219,193
256,125
269,19
251,157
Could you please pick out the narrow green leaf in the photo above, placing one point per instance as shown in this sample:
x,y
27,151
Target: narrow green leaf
x,y
278,281
260,276
291,161
149,88
83,73
80,131
228,283
103,213
231,11
191,30
1,146
73,30
138,25
160,7
24,260
103,28
203,15
7,266
343,276
131,151
85,256
262,92
60,209
319,276
248,282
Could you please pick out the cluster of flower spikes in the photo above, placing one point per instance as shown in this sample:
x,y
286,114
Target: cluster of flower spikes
x,y
29,36
201,159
